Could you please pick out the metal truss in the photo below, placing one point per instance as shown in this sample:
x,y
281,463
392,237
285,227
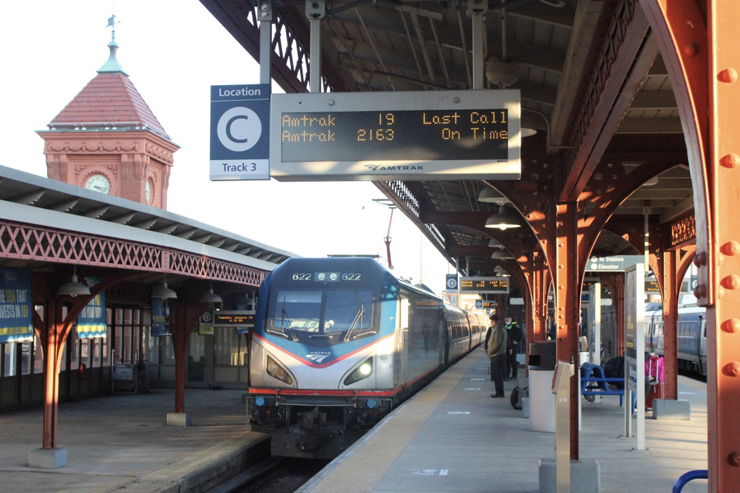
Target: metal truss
x,y
26,242
290,43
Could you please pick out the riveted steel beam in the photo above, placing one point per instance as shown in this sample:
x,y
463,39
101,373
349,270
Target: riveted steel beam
x,y
612,89
567,304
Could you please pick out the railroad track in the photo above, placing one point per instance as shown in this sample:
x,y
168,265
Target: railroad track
x,y
273,475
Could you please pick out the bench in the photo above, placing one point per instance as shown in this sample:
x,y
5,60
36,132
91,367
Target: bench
x,y
594,382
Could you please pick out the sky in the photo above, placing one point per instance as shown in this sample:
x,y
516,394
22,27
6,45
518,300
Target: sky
x,y
173,51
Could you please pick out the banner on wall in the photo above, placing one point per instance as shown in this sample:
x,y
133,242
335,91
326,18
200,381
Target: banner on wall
x,y
91,321
161,318
16,323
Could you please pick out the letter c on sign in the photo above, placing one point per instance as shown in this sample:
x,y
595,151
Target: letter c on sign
x,y
239,129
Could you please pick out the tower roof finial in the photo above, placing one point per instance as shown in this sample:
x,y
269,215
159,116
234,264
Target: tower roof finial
x,y
112,65
112,23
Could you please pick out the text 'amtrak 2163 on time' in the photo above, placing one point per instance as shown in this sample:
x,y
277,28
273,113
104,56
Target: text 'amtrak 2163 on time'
x,y
409,136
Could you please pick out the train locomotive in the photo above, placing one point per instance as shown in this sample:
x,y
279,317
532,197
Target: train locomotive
x,y
337,344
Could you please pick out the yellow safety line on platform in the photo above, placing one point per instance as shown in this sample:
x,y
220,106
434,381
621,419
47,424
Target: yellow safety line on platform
x,y
364,466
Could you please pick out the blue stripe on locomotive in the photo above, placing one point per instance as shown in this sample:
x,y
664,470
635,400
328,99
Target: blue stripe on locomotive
x,y
380,281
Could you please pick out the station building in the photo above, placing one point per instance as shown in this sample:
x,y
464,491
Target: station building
x,y
99,224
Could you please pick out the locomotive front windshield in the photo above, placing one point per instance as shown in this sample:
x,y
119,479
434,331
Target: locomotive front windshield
x,y
326,313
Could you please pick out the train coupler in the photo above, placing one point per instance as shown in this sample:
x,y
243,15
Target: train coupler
x,y
312,420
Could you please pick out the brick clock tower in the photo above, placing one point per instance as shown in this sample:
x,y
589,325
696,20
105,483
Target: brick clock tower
x,y
108,140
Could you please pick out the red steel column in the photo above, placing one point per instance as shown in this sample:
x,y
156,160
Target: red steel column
x,y
670,286
185,317
567,300
539,290
180,344
618,302
723,315
51,374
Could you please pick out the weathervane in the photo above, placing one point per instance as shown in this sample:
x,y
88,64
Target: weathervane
x,y
112,65
112,23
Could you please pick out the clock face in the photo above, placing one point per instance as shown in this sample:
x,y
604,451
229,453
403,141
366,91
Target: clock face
x,y
149,191
99,183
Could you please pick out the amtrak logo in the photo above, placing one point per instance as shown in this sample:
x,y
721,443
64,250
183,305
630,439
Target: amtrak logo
x,y
317,358
375,167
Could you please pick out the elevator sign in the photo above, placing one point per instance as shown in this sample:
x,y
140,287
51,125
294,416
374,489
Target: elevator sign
x,y
420,135
240,129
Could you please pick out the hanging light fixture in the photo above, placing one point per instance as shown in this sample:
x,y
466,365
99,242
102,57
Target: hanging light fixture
x,y
162,291
505,219
73,288
502,254
211,297
490,196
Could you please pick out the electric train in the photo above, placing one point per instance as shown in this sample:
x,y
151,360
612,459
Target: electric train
x,y
337,344
691,333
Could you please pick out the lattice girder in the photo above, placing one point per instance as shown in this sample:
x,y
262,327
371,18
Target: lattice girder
x,y
30,242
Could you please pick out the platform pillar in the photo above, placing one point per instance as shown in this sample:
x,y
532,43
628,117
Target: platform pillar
x,y
185,317
567,305
180,344
670,287
701,50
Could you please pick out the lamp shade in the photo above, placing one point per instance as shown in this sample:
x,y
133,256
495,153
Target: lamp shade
x,y
490,196
162,291
73,288
502,254
210,297
505,219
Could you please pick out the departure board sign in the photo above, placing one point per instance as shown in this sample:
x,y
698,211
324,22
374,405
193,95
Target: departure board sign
x,y
234,319
425,135
652,287
497,285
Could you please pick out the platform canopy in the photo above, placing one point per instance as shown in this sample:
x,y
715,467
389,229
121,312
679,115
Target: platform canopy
x,y
595,98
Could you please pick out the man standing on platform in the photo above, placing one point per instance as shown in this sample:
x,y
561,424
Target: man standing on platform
x,y
496,350
513,336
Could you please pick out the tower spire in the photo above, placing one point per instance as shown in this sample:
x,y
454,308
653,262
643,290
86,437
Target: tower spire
x,y
112,65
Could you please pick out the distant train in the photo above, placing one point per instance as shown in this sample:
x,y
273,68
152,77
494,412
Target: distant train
x,y
340,342
691,334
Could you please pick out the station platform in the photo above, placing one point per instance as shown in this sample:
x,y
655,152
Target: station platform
x,y
452,436
122,443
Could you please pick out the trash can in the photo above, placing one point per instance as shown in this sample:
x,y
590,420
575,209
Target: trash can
x,y
542,359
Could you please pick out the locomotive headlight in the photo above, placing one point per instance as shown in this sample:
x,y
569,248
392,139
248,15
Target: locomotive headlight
x,y
361,372
275,370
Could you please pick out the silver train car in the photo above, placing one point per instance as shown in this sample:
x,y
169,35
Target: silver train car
x,y
691,333
340,342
